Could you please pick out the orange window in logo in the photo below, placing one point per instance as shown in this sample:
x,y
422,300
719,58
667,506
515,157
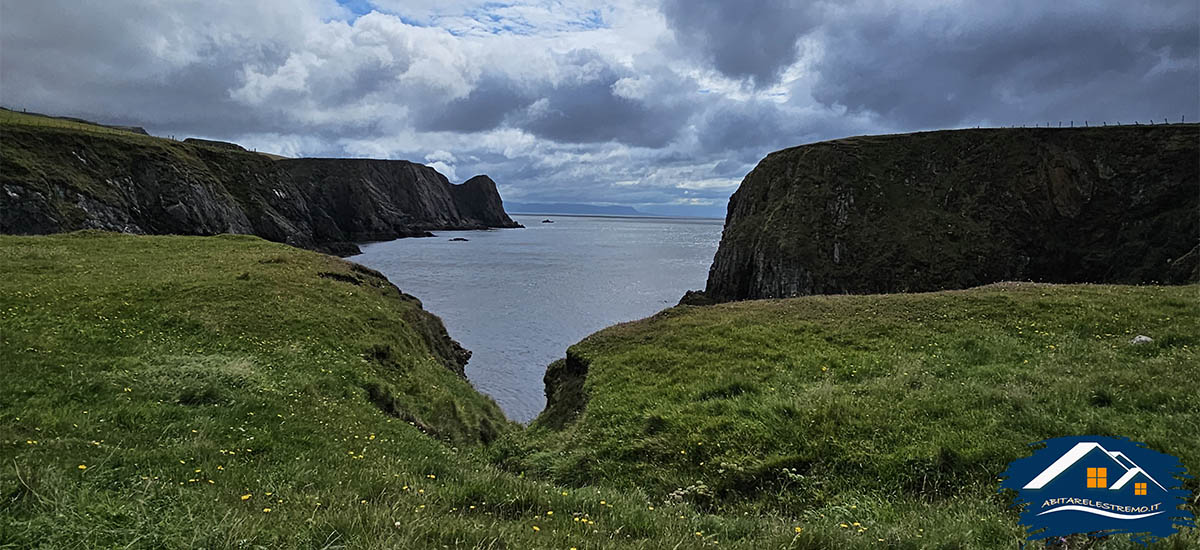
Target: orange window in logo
x,y
1097,478
1139,488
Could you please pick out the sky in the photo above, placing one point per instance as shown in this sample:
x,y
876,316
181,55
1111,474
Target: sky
x,y
663,105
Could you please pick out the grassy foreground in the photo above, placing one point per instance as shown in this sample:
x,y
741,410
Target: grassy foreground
x,y
874,421
228,392
219,392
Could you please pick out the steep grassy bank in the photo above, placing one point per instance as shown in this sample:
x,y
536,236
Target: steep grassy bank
x,y
877,420
228,392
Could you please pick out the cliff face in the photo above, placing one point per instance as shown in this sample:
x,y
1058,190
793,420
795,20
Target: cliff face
x,y
477,198
54,180
956,209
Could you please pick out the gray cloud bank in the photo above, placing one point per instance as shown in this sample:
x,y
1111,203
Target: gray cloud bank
x,y
663,107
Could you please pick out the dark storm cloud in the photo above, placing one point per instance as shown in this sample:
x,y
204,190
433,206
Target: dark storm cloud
x,y
589,108
741,125
1020,63
484,108
731,168
589,112
753,39
585,107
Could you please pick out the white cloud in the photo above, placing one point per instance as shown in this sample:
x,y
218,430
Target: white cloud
x,y
584,100
693,202
444,156
445,169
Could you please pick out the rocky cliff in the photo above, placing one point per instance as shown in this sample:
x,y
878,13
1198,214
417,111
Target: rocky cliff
x,y
61,179
956,209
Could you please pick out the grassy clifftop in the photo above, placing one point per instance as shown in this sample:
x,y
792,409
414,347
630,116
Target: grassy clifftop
x,y
228,392
877,419
150,383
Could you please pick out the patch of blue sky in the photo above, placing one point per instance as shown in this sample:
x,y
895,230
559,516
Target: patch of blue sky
x,y
593,19
356,7
359,8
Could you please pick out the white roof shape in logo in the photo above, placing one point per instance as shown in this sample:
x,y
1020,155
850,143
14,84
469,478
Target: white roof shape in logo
x,y
1080,450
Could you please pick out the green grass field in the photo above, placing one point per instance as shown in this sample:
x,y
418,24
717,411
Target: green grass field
x,y
219,392
228,392
873,419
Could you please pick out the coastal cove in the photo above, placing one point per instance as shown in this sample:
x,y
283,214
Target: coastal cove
x,y
888,323
518,298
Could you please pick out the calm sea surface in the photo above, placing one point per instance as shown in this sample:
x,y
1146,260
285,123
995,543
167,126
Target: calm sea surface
x,y
517,298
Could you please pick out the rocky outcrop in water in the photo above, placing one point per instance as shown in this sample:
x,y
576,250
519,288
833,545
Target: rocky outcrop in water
x,y
54,180
956,209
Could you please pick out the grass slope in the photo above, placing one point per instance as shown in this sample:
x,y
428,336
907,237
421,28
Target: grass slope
x,y
219,392
228,392
874,421
36,150
12,121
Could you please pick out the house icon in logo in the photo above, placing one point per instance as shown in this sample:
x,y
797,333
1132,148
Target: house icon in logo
x,y
1090,465
1098,485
